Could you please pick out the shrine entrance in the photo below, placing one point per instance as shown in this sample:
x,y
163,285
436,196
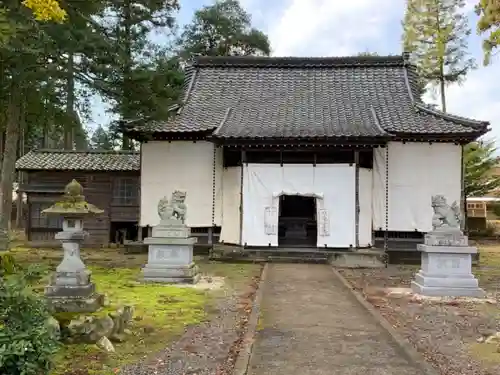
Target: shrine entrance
x,y
297,222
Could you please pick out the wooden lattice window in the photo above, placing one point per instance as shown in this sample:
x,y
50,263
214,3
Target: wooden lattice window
x,y
126,191
40,220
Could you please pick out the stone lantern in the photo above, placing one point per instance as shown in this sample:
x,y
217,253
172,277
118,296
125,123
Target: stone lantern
x,y
70,288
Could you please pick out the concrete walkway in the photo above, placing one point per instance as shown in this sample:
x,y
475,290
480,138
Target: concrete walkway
x,y
312,324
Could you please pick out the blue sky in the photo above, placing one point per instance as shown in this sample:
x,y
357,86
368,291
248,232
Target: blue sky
x,y
339,28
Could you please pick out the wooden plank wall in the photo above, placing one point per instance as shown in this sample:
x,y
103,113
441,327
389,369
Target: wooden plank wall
x,y
98,190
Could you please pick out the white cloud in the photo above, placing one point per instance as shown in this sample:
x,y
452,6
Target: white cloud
x,y
335,28
478,98
338,26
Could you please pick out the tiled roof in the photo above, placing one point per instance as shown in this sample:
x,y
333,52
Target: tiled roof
x,y
80,160
273,97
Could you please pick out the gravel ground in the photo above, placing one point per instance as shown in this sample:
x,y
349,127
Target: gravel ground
x,y
207,349
445,333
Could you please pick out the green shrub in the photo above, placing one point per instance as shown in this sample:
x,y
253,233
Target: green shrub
x,y
27,342
495,208
7,264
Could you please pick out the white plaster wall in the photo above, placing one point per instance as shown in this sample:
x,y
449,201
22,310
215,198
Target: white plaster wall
x,y
231,186
417,171
183,165
365,207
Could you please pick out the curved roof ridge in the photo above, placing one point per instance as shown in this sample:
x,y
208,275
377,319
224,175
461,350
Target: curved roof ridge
x,y
476,124
419,105
85,160
191,73
92,151
297,62
62,151
377,122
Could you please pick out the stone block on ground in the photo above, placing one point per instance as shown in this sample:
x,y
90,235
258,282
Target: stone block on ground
x,y
358,259
91,328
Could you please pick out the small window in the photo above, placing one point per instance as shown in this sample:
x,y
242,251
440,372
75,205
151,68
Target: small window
x,y
126,191
40,220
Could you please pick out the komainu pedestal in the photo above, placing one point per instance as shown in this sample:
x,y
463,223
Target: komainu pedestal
x,y
170,253
446,257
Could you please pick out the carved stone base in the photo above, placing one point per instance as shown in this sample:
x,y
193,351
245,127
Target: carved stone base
x,y
170,260
78,278
171,274
171,231
446,237
446,272
72,304
73,292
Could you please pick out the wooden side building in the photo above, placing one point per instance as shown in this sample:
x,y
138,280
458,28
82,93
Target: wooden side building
x,y
111,181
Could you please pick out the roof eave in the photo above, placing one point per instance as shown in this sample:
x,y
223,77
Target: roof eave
x,y
32,169
438,137
475,124
341,140
146,136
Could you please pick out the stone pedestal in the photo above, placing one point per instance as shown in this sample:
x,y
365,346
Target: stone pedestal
x,y
170,255
446,266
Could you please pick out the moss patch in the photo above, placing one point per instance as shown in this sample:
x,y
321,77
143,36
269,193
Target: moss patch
x,y
161,311
485,352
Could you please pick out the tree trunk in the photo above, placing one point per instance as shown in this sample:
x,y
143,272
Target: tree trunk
x,y
20,175
9,157
443,94
2,144
69,127
127,68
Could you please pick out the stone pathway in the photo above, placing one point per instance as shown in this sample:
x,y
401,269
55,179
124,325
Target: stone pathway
x,y
313,325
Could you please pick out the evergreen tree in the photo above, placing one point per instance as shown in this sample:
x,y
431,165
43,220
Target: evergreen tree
x,y
435,34
127,24
101,140
33,92
222,29
480,161
489,22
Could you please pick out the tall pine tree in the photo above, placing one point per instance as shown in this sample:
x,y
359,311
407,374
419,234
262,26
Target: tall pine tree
x,y
222,29
128,23
435,34
489,23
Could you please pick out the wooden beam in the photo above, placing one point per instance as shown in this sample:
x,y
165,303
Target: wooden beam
x,y
243,162
356,198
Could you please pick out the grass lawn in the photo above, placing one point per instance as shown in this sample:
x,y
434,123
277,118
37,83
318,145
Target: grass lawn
x,y
488,270
161,311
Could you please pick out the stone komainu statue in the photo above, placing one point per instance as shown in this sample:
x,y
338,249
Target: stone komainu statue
x,y
175,209
445,216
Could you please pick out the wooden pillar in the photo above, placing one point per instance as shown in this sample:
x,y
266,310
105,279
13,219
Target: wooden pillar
x,y
139,233
356,198
463,196
211,235
27,229
386,234
214,196
243,162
